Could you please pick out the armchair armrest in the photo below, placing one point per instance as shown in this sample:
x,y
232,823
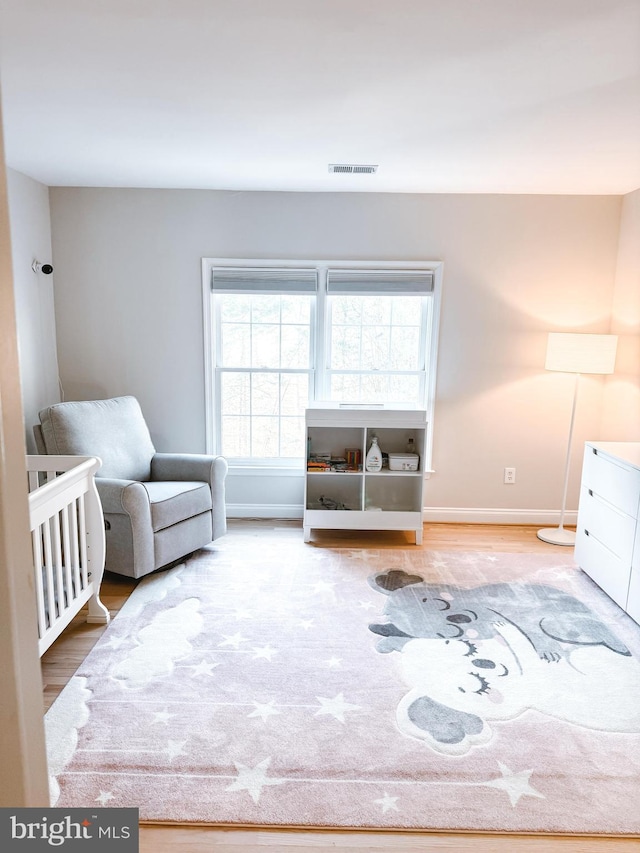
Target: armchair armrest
x,y
131,498
118,495
189,466
197,467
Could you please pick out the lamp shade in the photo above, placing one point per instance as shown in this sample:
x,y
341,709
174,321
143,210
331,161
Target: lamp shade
x,y
573,352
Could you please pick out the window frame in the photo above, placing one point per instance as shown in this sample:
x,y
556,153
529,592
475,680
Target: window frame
x,y
320,347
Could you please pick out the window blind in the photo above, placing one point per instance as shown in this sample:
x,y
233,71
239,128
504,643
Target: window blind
x,y
372,282
261,280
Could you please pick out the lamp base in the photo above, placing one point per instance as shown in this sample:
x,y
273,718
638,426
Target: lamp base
x,y
557,536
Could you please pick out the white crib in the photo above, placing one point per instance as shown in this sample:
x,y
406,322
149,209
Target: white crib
x,y
67,532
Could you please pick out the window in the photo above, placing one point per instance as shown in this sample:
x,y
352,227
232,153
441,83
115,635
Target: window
x,y
282,335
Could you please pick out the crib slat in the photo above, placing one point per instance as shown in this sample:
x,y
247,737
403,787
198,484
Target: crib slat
x,y
60,592
48,557
82,522
36,539
66,548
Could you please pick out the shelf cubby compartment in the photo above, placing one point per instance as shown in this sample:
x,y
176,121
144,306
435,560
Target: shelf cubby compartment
x,y
393,491
344,488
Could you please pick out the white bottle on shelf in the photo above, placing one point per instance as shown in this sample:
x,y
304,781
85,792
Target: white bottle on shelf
x,y
373,461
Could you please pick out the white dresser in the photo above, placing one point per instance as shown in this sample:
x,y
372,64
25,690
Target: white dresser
x,y
608,529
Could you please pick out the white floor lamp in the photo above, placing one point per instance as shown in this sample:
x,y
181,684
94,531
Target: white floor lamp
x,y
576,353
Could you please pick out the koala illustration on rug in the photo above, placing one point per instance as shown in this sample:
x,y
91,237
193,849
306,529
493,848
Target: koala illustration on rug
x,y
492,652
552,620
458,687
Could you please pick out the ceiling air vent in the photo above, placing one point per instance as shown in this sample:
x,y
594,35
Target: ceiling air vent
x,y
352,168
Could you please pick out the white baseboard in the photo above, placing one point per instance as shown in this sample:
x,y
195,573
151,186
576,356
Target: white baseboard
x,y
489,515
264,511
443,514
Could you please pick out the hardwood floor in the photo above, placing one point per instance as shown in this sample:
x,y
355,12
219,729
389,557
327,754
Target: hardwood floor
x,y
62,659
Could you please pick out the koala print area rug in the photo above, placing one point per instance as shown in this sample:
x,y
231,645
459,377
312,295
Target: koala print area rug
x,y
272,682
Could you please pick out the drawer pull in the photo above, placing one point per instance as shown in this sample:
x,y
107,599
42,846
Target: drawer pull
x,y
590,493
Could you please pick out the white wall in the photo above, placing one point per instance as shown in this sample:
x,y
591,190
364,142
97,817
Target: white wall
x,y
129,315
621,420
31,240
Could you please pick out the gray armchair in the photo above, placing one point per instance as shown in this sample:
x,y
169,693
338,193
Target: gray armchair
x,y
158,507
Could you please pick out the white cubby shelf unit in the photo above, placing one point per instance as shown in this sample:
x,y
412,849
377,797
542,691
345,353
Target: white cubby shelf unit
x,y
385,500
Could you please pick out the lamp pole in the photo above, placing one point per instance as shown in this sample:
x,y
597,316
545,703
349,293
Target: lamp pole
x,y
558,535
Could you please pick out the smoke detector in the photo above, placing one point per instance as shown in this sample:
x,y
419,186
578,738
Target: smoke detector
x,y
352,168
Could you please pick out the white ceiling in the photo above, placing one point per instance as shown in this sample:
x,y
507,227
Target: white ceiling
x,y
506,96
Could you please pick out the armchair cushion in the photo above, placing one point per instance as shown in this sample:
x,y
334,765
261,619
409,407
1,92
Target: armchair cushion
x,y
173,501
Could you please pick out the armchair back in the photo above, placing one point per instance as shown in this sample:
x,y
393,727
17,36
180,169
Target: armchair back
x,y
114,430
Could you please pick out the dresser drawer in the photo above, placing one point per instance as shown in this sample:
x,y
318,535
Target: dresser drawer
x,y
610,526
633,601
611,481
603,566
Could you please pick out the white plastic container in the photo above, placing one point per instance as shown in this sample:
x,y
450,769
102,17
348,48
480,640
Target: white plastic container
x,y
403,461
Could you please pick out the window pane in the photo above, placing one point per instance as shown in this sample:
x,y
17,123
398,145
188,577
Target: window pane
x,y
296,309
405,348
375,348
265,308
294,393
375,388
234,308
265,435
295,347
406,310
235,439
345,347
376,310
375,333
265,394
235,396
345,387
346,310
292,443
236,344
265,346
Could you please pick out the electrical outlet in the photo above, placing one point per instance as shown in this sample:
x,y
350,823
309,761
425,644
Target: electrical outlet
x,y
509,475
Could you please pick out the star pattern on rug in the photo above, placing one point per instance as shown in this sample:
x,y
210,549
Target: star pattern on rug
x,y
233,640
333,663
306,624
387,803
265,652
253,779
515,785
104,797
162,717
174,748
264,710
336,707
203,668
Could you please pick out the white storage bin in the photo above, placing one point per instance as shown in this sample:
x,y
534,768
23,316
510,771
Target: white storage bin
x,y
403,461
